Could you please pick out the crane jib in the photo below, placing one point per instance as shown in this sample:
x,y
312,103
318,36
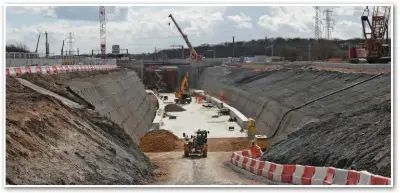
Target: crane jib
x,y
193,53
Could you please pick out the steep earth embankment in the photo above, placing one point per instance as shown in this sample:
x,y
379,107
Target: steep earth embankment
x,y
50,143
121,97
349,129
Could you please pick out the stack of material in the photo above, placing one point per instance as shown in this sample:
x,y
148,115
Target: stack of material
x,y
158,141
173,108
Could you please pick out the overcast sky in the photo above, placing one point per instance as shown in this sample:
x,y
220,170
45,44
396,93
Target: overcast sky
x,y
140,29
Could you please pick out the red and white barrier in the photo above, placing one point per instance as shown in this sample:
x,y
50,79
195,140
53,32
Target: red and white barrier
x,y
18,71
340,176
379,180
365,178
319,176
330,174
305,175
298,175
265,170
277,173
353,177
287,173
244,163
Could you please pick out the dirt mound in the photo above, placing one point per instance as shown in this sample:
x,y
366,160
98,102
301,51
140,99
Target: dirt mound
x,y
228,144
158,141
218,144
49,143
173,108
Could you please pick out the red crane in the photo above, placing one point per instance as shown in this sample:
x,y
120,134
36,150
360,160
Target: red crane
x,y
376,34
194,56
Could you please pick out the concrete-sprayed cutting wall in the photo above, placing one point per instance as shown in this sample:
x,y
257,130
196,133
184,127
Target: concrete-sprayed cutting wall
x,y
266,112
121,97
135,65
194,73
267,96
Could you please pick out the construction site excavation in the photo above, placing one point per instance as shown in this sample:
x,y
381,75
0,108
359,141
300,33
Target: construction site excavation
x,y
205,121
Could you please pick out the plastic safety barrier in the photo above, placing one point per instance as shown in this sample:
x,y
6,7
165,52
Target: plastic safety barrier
x,y
18,71
305,175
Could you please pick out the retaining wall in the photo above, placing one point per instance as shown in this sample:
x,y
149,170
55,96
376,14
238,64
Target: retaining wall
x,y
267,96
266,117
121,97
241,120
157,121
356,119
135,65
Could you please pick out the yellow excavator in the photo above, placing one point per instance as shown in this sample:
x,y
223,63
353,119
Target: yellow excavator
x,y
183,96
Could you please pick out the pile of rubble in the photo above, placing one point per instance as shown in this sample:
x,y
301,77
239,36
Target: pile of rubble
x,y
173,108
158,141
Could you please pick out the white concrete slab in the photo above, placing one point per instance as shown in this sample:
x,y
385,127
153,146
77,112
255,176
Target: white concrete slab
x,y
171,97
198,117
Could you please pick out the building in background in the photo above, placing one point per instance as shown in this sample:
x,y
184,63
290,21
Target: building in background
x,y
115,49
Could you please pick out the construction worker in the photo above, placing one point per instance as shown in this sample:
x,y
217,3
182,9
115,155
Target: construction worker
x,y
255,150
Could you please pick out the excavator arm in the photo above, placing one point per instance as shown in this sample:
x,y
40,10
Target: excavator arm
x,y
194,56
184,84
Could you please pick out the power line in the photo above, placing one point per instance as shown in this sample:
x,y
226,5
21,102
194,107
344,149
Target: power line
x,y
317,30
329,22
71,41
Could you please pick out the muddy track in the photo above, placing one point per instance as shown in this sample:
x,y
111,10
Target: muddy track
x,y
213,170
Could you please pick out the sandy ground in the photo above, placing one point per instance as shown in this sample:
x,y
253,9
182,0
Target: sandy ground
x,y
220,144
213,170
223,144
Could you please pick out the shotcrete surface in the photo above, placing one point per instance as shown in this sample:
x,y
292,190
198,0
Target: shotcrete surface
x,y
350,129
50,143
121,97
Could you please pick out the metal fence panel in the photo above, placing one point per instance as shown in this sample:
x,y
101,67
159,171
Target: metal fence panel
x,y
14,59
